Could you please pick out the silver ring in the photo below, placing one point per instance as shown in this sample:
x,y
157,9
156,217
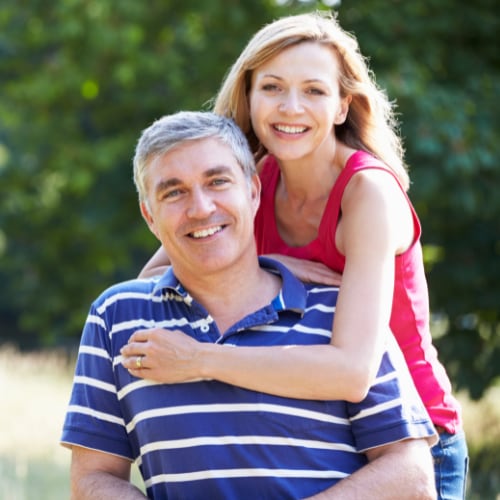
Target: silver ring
x,y
138,362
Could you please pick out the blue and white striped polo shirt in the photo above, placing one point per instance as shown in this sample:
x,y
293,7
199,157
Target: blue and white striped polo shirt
x,y
211,440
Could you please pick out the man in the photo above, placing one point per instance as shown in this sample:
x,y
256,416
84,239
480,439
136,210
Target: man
x,y
199,192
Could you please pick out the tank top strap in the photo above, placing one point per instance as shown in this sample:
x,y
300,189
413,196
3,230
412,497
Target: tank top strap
x,y
269,173
361,160
356,162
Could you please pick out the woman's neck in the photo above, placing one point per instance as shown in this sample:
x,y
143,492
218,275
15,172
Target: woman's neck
x,y
310,179
303,192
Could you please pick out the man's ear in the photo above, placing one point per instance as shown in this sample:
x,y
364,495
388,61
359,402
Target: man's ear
x,y
148,218
343,110
255,189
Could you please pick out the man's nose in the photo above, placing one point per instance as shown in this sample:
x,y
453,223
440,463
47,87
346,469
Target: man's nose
x,y
201,205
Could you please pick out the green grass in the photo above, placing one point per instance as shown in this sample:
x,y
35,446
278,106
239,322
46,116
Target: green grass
x,y
482,427
35,393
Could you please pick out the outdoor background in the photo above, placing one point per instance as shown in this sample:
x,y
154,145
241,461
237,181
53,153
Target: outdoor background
x,y
80,79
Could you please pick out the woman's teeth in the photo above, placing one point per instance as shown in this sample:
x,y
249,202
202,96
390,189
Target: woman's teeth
x,y
289,129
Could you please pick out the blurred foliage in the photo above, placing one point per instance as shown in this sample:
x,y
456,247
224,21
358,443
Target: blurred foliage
x,y
79,80
440,61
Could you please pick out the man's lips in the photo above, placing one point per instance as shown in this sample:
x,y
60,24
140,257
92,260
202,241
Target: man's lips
x,y
205,233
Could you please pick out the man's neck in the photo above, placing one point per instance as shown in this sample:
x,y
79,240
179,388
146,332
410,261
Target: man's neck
x,y
232,294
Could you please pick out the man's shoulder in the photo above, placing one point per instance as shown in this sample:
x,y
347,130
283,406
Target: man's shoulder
x,y
130,290
296,294
135,284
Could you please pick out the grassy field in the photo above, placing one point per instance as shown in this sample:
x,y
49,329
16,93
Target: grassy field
x,y
35,392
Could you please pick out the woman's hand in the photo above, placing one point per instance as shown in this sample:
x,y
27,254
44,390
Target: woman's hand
x,y
166,356
309,271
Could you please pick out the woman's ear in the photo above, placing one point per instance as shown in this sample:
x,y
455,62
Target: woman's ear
x,y
343,110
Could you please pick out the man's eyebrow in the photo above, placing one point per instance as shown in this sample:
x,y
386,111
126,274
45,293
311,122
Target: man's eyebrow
x,y
175,181
167,184
217,170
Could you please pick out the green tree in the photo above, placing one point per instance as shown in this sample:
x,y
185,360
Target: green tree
x,y
80,79
440,62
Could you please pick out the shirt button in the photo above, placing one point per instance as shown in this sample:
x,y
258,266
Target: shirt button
x,y
205,328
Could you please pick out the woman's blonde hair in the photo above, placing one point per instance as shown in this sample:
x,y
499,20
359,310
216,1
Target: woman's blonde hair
x,y
370,124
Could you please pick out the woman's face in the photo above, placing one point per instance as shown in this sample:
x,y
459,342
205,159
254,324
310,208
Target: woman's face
x,y
295,101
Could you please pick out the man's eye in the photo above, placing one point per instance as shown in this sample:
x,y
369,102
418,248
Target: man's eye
x,y
219,182
171,194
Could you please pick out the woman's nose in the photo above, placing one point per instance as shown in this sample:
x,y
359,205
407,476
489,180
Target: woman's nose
x,y
291,103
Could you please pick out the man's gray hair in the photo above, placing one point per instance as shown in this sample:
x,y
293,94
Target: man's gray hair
x,y
173,130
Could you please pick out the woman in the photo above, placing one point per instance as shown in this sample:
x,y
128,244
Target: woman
x,y
333,192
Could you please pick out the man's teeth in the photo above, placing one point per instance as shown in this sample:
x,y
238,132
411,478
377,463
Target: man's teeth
x,y
289,129
206,232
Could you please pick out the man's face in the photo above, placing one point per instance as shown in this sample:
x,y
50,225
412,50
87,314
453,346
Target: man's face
x,y
201,207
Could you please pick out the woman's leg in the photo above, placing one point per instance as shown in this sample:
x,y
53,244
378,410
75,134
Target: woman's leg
x,y
451,463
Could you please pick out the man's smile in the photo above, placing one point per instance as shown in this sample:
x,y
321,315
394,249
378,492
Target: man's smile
x,y
204,233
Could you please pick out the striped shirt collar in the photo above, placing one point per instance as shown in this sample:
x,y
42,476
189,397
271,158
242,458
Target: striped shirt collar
x,y
292,296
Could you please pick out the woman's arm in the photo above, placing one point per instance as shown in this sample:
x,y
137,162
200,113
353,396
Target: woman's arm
x,y
309,271
376,224
305,270
156,265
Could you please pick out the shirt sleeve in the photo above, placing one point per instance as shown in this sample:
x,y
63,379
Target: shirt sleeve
x,y
94,418
392,411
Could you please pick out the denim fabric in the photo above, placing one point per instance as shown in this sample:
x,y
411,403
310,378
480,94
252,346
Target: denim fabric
x,y
451,463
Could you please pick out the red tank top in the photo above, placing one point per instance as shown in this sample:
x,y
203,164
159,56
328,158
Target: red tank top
x,y
410,311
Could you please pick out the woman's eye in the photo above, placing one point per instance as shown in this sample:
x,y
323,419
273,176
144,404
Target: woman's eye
x,y
315,91
270,87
